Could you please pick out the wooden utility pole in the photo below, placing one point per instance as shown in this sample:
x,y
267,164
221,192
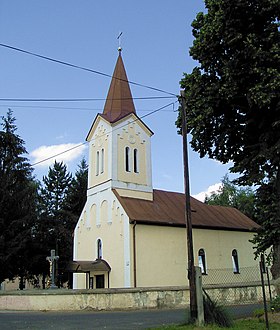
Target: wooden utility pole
x,y
191,268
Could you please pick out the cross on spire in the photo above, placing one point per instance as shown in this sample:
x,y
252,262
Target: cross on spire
x,y
119,38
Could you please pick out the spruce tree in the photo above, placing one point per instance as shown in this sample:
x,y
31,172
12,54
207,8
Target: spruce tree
x,y
74,204
77,194
54,221
17,203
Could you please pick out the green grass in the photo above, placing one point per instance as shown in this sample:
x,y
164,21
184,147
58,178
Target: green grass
x,y
249,324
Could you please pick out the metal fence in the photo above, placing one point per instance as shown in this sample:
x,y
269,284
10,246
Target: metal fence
x,y
238,288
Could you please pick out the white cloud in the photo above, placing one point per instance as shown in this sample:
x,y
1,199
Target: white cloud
x,y
210,190
46,155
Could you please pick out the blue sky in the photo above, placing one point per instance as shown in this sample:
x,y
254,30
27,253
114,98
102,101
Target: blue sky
x,y
156,39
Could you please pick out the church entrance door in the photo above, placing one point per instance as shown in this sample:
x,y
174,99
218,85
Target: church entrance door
x,y
100,281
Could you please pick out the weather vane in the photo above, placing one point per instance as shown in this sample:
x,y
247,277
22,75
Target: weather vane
x,y
119,38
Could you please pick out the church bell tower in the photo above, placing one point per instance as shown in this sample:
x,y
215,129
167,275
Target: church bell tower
x,y
119,144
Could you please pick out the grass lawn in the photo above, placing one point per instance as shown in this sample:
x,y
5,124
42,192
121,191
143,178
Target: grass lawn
x,y
246,324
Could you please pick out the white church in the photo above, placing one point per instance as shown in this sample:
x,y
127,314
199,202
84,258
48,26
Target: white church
x,y
131,235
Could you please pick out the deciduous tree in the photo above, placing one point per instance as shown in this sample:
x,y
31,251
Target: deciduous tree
x,y
242,198
232,95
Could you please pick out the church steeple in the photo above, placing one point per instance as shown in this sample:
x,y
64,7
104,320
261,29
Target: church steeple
x,y
120,148
119,102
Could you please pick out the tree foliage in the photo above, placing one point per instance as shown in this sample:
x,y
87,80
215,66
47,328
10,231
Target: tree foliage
x,y
231,195
77,194
55,188
232,95
18,193
35,217
53,228
62,199
267,213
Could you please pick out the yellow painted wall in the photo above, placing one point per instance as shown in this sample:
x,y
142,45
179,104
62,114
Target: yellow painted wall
x,y
110,230
218,245
161,256
100,142
130,137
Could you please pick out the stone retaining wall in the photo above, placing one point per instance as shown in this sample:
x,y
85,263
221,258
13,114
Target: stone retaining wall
x,y
115,299
101,299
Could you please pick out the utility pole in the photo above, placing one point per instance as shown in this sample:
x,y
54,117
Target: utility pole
x,y
188,220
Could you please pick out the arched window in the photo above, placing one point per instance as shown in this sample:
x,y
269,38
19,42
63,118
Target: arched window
x,y
127,160
102,161
97,163
202,261
135,160
235,264
99,249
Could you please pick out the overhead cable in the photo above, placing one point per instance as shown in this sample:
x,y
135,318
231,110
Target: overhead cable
x,y
62,108
82,68
84,99
81,144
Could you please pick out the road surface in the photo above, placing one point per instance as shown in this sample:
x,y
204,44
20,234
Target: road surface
x,y
142,319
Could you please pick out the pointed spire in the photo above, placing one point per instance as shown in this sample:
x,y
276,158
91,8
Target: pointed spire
x,y
119,102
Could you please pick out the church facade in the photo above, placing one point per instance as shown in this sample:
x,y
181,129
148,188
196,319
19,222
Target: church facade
x,y
131,235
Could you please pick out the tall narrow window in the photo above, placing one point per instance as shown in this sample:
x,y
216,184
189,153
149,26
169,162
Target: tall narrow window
x,y
97,163
202,261
102,161
135,160
235,264
127,162
99,249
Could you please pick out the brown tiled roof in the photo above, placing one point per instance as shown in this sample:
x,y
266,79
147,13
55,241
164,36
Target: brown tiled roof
x,y
168,208
119,102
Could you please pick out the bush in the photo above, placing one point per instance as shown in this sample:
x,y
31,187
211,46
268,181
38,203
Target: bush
x,y
214,313
258,313
275,304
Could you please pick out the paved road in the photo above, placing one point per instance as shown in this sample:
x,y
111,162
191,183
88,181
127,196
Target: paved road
x,y
90,320
101,320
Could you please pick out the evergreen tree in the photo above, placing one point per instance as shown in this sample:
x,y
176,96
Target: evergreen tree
x,y
17,203
54,221
56,186
77,194
74,204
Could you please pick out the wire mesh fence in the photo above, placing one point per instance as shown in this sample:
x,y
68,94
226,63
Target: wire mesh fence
x,y
230,288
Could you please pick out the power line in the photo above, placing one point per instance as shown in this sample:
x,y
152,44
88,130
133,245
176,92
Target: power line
x,y
60,153
81,144
63,108
84,99
83,68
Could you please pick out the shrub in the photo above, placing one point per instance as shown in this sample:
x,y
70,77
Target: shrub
x,y
258,313
275,304
214,313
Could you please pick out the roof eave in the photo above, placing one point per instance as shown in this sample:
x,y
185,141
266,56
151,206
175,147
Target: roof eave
x,y
174,224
